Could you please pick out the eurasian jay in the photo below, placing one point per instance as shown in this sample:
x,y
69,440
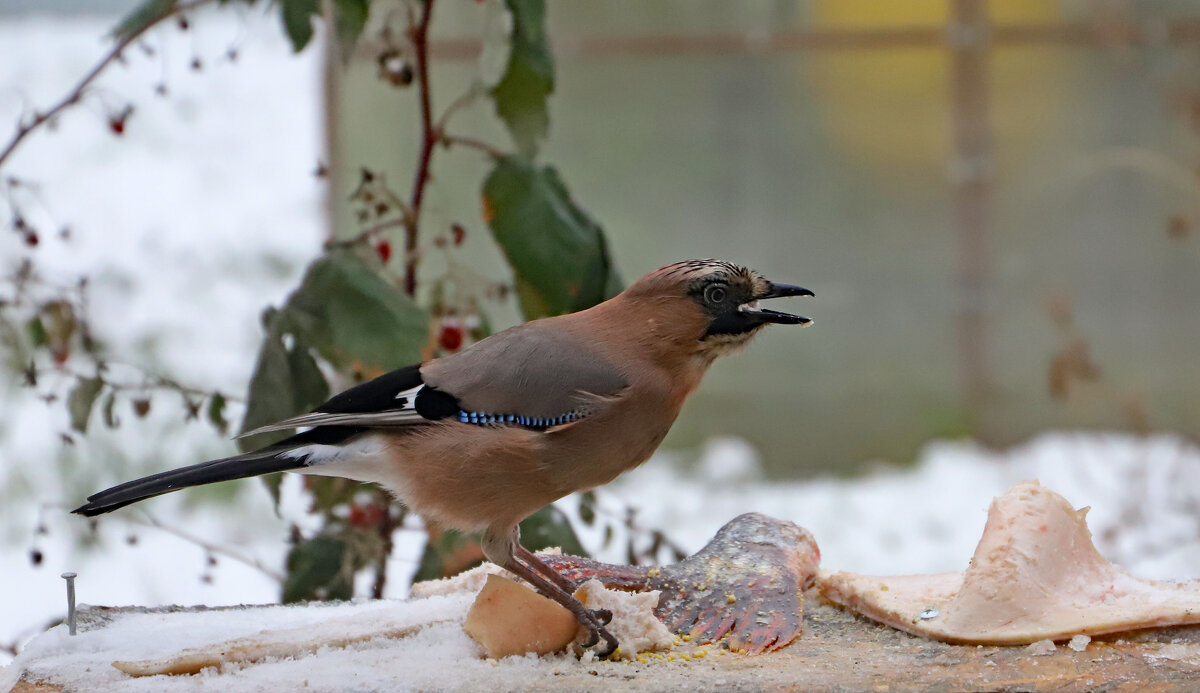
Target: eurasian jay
x,y
481,439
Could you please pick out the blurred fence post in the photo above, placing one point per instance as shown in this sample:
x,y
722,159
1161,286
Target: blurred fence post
x,y
968,38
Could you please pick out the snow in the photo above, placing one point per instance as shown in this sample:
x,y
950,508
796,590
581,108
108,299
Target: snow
x,y
210,183
1143,492
419,661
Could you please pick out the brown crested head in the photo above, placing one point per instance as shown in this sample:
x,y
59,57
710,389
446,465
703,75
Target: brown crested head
x,y
715,302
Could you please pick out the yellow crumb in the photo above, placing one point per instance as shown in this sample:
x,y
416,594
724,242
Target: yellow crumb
x,y
686,638
730,598
654,572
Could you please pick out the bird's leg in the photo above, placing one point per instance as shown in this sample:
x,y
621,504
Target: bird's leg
x,y
530,559
586,617
501,545
604,616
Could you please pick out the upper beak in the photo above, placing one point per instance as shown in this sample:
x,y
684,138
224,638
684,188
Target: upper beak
x,y
775,316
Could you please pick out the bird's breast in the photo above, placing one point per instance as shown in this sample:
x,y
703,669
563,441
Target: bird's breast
x,y
594,451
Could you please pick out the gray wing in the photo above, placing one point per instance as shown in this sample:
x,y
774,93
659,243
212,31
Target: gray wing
x,y
531,370
527,375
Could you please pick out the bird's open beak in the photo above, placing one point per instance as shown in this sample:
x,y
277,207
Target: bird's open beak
x,y
775,316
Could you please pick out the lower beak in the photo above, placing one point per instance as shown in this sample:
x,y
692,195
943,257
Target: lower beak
x,y
778,317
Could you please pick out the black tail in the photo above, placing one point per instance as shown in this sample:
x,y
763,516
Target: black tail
x,y
269,459
237,467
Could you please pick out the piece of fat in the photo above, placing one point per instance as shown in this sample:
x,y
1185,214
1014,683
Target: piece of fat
x,y
633,624
511,619
1035,575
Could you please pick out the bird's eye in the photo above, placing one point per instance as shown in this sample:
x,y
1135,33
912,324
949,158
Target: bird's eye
x,y
715,294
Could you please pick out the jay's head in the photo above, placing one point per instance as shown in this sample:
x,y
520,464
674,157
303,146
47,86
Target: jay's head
x,y
716,303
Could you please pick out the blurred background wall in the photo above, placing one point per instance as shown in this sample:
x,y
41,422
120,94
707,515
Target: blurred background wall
x,y
992,200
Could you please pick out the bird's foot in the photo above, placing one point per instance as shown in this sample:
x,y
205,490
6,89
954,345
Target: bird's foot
x,y
596,633
595,620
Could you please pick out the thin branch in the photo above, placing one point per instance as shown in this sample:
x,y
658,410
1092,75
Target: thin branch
x,y
482,146
150,521
75,95
151,381
429,138
465,99
369,233
387,526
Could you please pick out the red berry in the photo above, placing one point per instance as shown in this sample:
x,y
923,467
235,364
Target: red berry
x,y
31,239
117,125
459,234
384,248
364,516
451,338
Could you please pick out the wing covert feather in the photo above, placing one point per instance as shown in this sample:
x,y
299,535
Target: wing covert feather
x,y
527,370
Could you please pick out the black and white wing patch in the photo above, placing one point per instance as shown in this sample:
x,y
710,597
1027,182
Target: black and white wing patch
x,y
391,400
401,399
527,376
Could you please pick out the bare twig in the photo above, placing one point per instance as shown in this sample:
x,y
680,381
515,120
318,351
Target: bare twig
x,y
465,99
369,233
429,138
150,521
474,144
150,381
74,96
387,526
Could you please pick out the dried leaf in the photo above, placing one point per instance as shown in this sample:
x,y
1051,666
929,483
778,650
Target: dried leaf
x,y
80,401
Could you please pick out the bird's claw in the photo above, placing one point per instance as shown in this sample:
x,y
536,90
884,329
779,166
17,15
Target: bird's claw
x,y
596,633
609,641
602,616
593,638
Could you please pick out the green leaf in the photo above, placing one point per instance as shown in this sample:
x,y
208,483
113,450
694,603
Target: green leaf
x,y
587,507
349,19
549,527
36,329
286,382
317,569
450,553
216,412
297,20
558,253
80,401
355,319
529,78
347,314
447,554
141,17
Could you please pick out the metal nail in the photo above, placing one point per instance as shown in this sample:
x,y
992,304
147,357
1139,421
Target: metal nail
x,y
70,578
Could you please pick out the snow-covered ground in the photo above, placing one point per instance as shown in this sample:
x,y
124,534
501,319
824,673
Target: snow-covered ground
x,y
207,206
